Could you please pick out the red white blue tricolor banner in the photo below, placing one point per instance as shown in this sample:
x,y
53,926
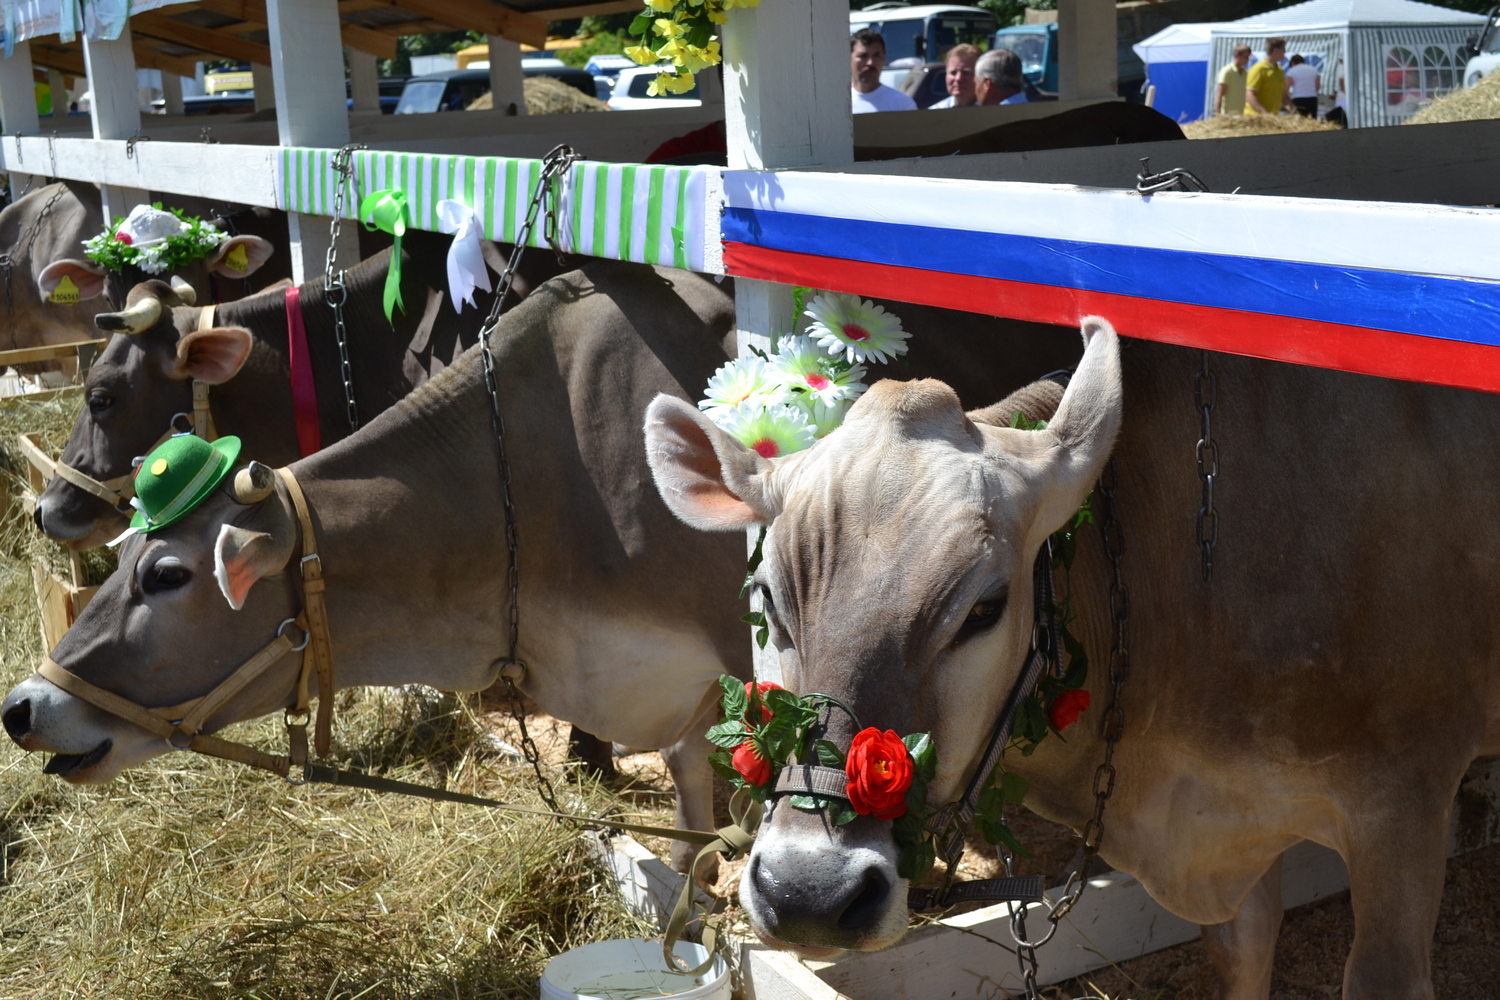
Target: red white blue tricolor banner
x,y
1398,290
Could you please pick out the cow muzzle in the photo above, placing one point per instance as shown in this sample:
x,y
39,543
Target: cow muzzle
x,y
88,747
819,889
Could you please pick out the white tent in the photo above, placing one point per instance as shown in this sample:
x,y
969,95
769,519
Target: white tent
x,y
1176,59
1395,54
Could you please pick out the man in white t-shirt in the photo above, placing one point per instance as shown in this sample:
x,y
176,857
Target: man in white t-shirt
x,y
1304,81
866,60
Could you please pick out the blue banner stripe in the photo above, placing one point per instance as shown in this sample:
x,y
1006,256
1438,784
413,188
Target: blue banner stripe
x,y
1423,305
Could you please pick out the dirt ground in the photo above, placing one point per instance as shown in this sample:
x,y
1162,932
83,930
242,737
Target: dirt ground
x,y
1315,939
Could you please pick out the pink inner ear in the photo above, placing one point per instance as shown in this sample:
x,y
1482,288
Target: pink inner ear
x,y
213,356
689,476
238,578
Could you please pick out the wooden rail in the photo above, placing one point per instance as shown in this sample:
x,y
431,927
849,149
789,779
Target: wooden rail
x,y
51,352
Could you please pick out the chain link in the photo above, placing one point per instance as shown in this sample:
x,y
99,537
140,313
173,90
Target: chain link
x,y
554,166
333,281
1113,727
1206,397
7,261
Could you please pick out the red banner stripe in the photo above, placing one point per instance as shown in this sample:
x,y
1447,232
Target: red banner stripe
x,y
1259,335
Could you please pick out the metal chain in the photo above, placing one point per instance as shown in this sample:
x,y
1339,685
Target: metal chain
x,y
7,261
1113,728
333,281
554,166
1206,396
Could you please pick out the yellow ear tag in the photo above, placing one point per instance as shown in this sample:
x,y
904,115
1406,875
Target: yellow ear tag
x,y
66,293
159,466
236,260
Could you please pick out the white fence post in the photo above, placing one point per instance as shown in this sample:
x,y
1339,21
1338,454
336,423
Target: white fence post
x,y
507,83
18,103
115,108
364,81
311,110
1087,63
171,93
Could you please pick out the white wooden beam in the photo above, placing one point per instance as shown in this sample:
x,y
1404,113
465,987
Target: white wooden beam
x,y
1088,65
18,104
507,83
311,109
364,81
114,107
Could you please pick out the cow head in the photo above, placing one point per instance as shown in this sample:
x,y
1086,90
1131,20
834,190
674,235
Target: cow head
x,y
69,281
187,605
896,578
139,382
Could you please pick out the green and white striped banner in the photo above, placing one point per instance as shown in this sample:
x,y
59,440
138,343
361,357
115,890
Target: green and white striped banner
x,y
649,214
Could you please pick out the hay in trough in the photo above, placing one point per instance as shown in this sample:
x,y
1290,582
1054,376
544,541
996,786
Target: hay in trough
x,y
1230,126
1477,102
546,95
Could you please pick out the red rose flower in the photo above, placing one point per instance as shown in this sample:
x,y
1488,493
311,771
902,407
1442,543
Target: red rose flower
x,y
763,686
880,772
752,766
1067,707
123,238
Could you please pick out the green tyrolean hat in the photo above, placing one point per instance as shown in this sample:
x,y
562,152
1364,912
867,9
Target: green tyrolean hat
x,y
177,476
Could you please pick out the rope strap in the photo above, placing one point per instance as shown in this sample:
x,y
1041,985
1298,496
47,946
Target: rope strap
x,y
813,779
730,841
116,492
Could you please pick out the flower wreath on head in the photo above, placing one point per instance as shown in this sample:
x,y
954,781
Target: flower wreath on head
x,y
785,402
155,240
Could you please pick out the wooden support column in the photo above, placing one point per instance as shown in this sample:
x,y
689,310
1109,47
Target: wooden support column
x,y
311,110
59,89
786,102
507,84
18,105
114,107
171,92
364,82
264,82
1088,65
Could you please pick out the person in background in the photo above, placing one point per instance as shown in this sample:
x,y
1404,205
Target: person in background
x,y
1265,86
866,60
960,77
998,78
1304,82
1229,98
1339,113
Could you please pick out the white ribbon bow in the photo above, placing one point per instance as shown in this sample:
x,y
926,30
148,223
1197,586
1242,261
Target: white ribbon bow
x,y
466,267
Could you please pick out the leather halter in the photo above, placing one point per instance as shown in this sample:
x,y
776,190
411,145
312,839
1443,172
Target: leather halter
x,y
117,491
181,725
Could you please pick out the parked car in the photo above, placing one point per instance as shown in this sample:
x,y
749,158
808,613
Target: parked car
x,y
631,92
390,93
456,89
606,70
1485,49
926,83
1036,45
924,32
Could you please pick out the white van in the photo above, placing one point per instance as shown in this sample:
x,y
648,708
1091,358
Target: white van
x,y
1486,49
923,33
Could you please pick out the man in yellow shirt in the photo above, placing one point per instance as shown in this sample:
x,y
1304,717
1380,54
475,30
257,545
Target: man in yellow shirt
x,y
1265,87
1229,99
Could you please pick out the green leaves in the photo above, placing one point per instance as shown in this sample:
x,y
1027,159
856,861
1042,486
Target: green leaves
x,y
1013,787
916,860
1021,422
734,702
728,734
762,631
923,756
829,755
841,813
757,555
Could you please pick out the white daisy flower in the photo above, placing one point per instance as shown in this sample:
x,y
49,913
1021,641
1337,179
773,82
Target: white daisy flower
x,y
740,381
768,430
799,364
824,416
856,328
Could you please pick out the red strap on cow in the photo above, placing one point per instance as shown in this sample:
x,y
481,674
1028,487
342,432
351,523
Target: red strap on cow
x,y
304,390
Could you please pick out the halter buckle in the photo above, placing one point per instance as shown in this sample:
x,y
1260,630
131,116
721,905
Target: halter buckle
x,y
179,731
306,634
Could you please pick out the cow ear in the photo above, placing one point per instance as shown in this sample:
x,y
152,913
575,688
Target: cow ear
x,y
214,356
240,256
67,282
242,556
1081,435
706,477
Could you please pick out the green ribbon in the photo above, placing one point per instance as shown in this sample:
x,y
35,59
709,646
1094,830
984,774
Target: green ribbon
x,y
386,211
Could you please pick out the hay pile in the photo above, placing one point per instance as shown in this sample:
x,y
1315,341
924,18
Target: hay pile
x,y
546,95
1477,102
189,877
1229,126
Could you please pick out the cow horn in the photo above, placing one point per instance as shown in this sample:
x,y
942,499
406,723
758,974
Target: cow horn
x,y
254,483
137,319
186,293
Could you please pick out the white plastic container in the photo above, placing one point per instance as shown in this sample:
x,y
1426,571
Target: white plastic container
x,y
632,969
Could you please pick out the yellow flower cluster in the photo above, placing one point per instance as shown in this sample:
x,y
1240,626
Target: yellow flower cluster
x,y
682,37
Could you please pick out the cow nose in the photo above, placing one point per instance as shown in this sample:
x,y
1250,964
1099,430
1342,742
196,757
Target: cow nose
x,y
36,515
824,915
17,719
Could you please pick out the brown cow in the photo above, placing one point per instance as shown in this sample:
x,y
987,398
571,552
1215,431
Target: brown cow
x,y
1331,684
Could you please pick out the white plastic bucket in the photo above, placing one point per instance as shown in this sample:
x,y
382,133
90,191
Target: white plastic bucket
x,y
632,969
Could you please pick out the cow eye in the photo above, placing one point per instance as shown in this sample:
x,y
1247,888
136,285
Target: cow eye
x,y
984,614
100,401
167,574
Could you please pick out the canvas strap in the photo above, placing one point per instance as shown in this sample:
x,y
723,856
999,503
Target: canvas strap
x,y
203,420
304,389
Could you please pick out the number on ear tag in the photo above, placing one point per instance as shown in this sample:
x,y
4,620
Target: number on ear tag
x,y
66,293
236,260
